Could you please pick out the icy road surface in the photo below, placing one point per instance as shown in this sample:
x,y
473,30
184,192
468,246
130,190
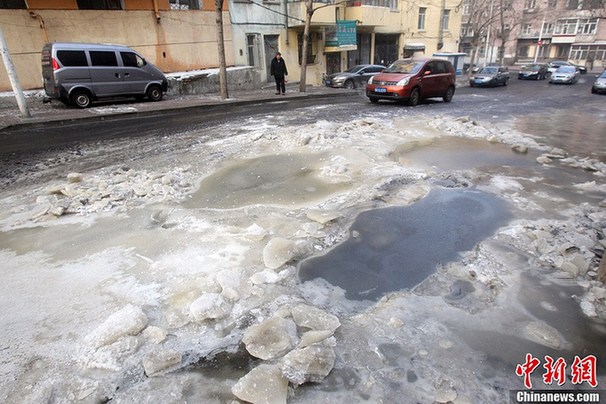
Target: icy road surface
x,y
182,276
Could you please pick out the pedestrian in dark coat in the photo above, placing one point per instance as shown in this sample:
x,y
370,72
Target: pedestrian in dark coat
x,y
279,71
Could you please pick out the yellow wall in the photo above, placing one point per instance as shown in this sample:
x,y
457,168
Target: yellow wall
x,y
182,40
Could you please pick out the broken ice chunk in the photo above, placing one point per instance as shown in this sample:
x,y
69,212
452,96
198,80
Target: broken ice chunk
x,y
209,306
322,216
313,337
157,361
278,252
543,334
264,384
129,321
309,364
314,318
271,338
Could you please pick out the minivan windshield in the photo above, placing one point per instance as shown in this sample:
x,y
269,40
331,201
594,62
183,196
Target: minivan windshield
x,y
404,66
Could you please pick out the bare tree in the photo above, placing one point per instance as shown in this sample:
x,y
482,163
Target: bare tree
x,y
221,48
309,12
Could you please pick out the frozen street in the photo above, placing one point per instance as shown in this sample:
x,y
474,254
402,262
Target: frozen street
x,y
303,251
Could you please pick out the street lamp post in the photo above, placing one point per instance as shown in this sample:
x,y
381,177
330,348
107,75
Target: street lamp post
x,y
540,41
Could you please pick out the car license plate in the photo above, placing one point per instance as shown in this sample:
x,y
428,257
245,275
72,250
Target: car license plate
x,y
380,90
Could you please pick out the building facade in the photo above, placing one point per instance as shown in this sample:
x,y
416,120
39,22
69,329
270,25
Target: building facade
x,y
180,35
175,35
542,31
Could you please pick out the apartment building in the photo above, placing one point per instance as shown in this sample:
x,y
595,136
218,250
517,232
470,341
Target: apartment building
x,y
545,30
342,33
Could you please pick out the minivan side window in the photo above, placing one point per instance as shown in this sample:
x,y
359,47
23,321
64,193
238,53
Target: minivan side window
x,y
103,58
72,58
130,59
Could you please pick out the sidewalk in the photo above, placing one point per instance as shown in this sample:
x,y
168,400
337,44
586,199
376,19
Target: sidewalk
x,y
56,111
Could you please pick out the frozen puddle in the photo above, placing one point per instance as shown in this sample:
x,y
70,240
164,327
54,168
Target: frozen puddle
x,y
456,153
284,179
396,248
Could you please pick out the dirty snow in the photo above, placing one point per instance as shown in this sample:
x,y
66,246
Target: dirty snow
x,y
118,285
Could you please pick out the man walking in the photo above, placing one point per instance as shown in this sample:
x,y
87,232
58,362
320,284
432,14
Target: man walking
x,y
279,71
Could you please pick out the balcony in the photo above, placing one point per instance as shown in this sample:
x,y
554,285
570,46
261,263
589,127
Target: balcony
x,y
373,13
322,17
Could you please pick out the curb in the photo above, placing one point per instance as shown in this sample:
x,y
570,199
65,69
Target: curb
x,y
162,108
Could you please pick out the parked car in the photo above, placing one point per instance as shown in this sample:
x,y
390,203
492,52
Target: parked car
x,y
565,74
534,72
490,76
412,80
553,65
80,73
356,76
599,86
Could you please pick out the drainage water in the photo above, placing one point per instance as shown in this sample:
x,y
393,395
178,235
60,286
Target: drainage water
x,y
396,248
285,179
581,135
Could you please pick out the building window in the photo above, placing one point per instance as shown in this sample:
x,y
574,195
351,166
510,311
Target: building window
x,y
565,27
100,4
445,20
547,28
421,23
184,5
253,49
466,7
526,29
531,4
572,4
587,26
12,4
552,3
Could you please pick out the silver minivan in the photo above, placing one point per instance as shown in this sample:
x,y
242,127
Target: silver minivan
x,y
79,73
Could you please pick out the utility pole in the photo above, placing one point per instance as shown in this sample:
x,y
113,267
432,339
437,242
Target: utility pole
x,y
12,75
221,46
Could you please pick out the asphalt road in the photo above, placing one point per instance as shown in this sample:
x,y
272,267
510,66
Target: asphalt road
x,y
129,137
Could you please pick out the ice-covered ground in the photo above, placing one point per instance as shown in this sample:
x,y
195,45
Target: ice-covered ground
x,y
174,278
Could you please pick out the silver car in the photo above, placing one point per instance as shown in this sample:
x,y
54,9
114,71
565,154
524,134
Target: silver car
x,y
565,74
356,76
599,86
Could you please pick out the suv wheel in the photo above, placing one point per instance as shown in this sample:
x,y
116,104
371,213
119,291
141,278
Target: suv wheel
x,y
448,95
415,95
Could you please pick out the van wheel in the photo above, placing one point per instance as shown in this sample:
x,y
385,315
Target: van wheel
x,y
80,98
448,95
413,100
154,93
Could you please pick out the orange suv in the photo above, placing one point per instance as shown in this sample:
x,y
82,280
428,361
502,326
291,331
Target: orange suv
x,y
412,80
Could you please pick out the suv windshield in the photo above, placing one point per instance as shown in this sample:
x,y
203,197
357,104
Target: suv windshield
x,y
404,66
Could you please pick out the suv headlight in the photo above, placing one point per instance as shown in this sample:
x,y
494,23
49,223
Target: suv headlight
x,y
404,81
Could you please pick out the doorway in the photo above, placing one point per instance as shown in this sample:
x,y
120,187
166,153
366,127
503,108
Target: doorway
x,y
270,43
333,62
